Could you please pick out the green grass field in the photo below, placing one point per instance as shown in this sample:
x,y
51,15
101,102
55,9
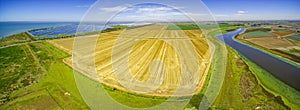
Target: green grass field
x,y
18,70
54,84
258,34
97,94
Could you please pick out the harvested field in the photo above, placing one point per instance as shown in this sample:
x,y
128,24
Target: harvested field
x,y
148,60
271,42
64,44
258,34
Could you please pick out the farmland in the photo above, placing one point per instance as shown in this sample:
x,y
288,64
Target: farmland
x,y
54,88
282,32
104,51
276,43
271,43
258,34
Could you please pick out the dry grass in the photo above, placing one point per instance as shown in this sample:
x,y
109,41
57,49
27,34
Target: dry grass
x,y
64,44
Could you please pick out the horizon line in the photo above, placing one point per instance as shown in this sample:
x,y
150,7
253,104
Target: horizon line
x,y
147,21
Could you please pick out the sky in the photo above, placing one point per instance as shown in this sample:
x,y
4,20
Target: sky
x,y
77,10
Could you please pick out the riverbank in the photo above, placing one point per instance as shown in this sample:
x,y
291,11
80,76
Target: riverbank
x,y
273,85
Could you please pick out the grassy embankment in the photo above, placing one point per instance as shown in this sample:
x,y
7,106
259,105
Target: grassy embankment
x,y
217,68
289,95
241,90
16,38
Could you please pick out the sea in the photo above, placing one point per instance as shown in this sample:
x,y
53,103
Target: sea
x,y
10,28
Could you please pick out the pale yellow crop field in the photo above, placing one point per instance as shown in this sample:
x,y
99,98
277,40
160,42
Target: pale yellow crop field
x,y
149,60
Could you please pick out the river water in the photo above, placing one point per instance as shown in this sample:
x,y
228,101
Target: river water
x,y
288,73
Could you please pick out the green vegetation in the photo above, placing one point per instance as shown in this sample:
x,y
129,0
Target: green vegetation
x,y
16,38
258,34
55,88
96,92
120,26
18,70
289,95
295,37
294,50
183,26
216,71
59,81
241,90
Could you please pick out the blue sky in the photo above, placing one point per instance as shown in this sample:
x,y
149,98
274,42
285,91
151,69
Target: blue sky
x,y
74,10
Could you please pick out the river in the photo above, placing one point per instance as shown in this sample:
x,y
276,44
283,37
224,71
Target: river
x,y
288,73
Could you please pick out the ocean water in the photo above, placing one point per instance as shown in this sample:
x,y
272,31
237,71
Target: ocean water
x,y
10,28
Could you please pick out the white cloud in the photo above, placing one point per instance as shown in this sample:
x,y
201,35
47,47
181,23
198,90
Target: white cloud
x,y
113,9
156,9
241,12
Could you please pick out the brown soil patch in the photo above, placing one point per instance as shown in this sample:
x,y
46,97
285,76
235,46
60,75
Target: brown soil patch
x,y
271,43
246,85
